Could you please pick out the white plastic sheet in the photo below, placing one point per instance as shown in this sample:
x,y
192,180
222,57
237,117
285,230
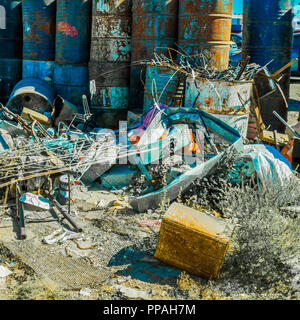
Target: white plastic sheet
x,y
271,167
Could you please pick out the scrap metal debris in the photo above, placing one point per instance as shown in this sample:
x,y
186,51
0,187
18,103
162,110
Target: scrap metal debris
x,y
177,148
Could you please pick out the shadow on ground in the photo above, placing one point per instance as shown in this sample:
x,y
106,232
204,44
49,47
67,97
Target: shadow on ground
x,y
143,266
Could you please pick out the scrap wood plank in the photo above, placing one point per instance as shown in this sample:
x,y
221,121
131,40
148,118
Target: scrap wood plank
x,y
26,113
265,135
268,136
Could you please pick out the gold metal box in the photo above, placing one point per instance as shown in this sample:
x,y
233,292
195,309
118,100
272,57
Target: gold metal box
x,y
193,241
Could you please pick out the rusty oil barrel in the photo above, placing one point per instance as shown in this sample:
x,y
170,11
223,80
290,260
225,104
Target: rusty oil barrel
x,y
206,24
73,31
109,62
11,42
267,35
154,24
39,30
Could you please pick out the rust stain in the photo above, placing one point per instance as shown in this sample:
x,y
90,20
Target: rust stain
x,y
209,102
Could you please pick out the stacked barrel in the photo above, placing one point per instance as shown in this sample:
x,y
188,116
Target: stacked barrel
x,y
154,24
267,36
204,25
39,39
72,49
109,63
10,46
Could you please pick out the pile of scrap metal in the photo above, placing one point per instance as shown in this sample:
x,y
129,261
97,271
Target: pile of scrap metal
x,y
193,114
246,96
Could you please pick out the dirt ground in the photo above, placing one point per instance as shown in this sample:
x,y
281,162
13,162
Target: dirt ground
x,y
112,259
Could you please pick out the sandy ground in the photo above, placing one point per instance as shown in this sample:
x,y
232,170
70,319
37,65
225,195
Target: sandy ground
x,y
294,102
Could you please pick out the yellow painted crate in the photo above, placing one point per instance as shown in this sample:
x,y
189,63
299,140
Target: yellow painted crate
x,y
193,241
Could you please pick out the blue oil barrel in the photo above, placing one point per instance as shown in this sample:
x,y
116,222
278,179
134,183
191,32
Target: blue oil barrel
x,y
109,62
32,93
267,35
73,31
39,30
71,81
11,35
154,24
39,69
161,83
206,24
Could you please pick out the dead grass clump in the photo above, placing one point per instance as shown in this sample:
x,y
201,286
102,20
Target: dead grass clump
x,y
265,240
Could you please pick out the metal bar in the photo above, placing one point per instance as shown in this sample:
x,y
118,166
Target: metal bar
x,y
64,213
274,75
286,124
268,94
244,65
276,140
42,221
20,214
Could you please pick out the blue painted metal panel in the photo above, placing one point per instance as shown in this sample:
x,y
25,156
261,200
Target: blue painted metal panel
x,y
71,82
73,31
39,30
268,32
39,69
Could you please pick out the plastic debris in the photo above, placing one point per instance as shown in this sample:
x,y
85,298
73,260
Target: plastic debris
x,y
61,236
4,272
133,293
86,292
35,201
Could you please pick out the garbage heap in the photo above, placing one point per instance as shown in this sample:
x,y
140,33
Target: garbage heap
x,y
193,117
